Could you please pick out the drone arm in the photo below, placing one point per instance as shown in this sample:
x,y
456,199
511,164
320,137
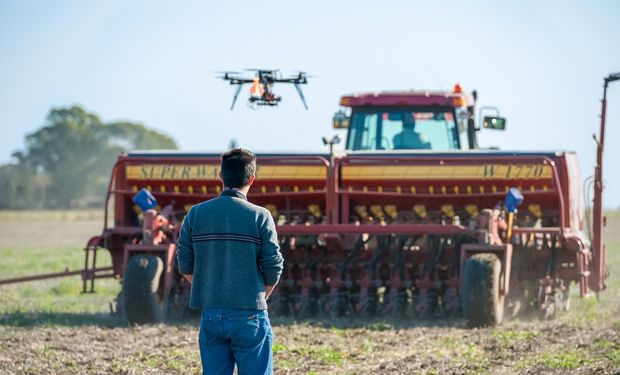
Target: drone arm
x,y
239,81
296,81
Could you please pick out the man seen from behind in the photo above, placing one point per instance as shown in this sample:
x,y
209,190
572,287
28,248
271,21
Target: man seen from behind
x,y
228,249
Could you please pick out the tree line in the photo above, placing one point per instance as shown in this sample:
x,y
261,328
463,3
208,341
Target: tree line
x,y
67,162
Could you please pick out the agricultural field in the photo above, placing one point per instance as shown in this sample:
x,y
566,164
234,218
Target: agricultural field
x,y
49,327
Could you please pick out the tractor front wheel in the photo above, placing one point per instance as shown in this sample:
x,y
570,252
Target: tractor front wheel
x,y
142,302
483,303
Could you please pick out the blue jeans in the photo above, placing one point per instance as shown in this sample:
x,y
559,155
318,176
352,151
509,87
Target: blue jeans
x,y
230,336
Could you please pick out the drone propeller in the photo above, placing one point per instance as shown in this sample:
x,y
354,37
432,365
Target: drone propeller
x,y
303,74
266,73
261,70
225,74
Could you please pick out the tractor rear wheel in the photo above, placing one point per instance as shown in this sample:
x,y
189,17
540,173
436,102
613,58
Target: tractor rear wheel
x,y
142,302
483,303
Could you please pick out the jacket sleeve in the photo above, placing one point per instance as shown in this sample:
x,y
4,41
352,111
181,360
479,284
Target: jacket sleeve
x,y
270,259
185,250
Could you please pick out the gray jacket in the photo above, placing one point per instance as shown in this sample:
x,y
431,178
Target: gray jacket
x,y
230,246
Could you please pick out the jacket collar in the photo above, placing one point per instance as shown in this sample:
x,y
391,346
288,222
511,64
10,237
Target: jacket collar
x,y
233,193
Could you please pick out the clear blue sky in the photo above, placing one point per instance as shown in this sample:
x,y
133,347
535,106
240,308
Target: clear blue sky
x,y
540,62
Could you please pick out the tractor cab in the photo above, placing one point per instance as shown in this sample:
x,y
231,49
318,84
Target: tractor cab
x,y
412,120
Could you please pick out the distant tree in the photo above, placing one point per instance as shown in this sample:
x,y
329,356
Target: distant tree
x,y
17,187
77,150
136,136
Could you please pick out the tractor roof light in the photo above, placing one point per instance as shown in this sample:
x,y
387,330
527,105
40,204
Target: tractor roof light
x,y
458,101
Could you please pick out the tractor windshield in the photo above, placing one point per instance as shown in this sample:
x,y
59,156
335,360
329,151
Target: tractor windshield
x,y
403,129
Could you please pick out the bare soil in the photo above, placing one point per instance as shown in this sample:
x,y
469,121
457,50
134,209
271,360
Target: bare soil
x,y
74,337
519,347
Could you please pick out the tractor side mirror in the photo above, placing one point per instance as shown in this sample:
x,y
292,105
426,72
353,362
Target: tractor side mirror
x,y
494,122
340,120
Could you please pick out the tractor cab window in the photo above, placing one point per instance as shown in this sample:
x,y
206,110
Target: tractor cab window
x,y
403,129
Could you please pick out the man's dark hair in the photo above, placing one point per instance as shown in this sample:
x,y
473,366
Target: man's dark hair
x,y
238,166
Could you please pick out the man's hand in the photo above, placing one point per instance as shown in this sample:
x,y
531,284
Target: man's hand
x,y
268,290
188,277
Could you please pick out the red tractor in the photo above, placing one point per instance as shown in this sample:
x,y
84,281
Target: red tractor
x,y
412,220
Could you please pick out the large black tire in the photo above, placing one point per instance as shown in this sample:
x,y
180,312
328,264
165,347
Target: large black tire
x,y
483,305
142,303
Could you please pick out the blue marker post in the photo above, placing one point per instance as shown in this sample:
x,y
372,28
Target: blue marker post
x,y
513,200
145,200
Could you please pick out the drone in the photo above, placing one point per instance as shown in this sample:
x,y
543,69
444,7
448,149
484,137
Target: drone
x,y
261,93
